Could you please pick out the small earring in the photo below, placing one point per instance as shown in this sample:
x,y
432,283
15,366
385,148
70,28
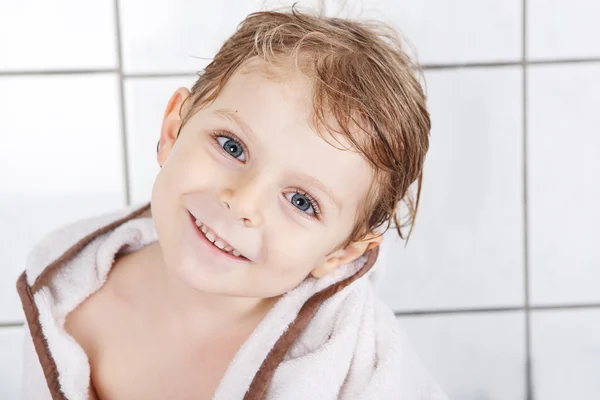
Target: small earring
x,y
157,149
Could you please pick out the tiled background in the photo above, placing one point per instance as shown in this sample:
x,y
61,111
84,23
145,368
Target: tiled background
x,y
499,287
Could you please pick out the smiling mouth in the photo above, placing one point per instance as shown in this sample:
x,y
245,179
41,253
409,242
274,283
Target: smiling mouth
x,y
218,242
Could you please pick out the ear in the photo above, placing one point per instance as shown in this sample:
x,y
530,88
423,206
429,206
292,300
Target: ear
x,y
171,124
348,254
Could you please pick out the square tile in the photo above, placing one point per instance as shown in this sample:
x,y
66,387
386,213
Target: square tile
x,y
472,356
11,365
563,186
563,29
165,37
62,161
61,34
146,100
565,352
450,32
177,35
467,245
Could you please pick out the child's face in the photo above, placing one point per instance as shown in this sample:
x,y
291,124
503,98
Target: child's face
x,y
245,189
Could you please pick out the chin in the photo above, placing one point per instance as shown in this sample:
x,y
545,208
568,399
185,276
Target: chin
x,y
200,276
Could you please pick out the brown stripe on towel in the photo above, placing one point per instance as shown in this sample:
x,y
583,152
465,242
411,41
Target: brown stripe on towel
x,y
32,313
76,248
262,379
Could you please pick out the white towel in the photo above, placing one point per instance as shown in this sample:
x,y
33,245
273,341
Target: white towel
x,y
352,348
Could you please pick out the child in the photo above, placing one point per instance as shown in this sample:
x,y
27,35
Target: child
x,y
248,275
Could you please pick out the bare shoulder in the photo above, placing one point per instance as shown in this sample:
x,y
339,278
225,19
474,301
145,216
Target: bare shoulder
x,y
94,322
89,320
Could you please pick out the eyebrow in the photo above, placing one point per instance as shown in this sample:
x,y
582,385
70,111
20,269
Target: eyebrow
x,y
316,183
232,116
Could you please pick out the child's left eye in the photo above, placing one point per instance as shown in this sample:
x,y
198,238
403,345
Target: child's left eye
x,y
232,147
304,202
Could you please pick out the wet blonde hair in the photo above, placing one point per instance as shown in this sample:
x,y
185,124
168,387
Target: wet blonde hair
x,y
363,79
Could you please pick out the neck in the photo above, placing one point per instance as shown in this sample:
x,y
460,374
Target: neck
x,y
182,302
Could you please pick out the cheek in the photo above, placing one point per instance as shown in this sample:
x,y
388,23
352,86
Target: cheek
x,y
190,169
294,256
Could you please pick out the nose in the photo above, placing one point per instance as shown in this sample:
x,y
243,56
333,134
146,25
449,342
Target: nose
x,y
245,202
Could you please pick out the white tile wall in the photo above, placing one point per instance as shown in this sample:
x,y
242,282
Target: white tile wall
x,y
164,37
11,342
182,35
563,29
467,248
565,354
472,357
59,34
564,183
146,100
172,35
450,32
62,161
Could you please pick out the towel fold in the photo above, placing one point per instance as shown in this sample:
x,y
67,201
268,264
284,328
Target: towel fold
x,y
328,338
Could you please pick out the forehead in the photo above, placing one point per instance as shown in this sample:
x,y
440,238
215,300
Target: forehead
x,y
276,104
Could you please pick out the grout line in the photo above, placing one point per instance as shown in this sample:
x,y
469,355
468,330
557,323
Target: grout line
x,y
10,324
471,65
416,313
563,61
529,392
564,307
522,62
59,72
430,67
122,99
556,307
160,74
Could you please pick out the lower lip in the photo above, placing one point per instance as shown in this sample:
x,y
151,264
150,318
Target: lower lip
x,y
211,247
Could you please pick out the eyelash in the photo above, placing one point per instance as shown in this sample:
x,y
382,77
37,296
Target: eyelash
x,y
313,203
311,199
231,136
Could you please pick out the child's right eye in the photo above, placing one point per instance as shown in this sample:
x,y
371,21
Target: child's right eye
x,y
231,146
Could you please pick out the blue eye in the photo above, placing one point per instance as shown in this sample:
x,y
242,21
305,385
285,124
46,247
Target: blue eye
x,y
304,203
232,147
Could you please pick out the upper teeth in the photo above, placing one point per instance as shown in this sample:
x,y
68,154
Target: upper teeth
x,y
217,241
